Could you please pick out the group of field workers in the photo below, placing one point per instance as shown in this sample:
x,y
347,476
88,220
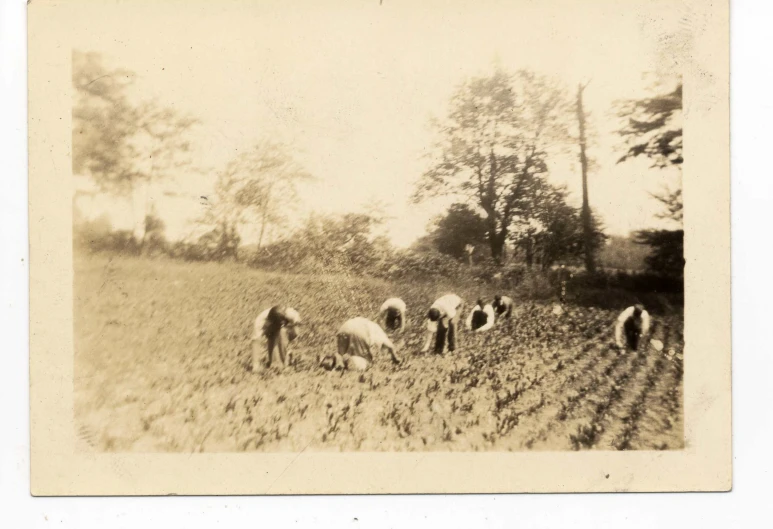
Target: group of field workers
x,y
358,339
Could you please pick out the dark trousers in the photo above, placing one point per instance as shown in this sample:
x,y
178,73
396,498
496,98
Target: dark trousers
x,y
278,339
393,319
442,333
632,334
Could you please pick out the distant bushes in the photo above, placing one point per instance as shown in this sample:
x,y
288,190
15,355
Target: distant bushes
x,y
198,251
408,264
623,253
660,294
666,255
634,282
97,235
344,248
617,299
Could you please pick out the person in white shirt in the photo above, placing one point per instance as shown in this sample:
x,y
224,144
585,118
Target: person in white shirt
x,y
503,305
481,317
357,340
632,325
441,323
394,309
277,325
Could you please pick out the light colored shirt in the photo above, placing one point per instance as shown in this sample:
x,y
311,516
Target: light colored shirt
x,y
365,336
620,324
488,310
448,306
393,303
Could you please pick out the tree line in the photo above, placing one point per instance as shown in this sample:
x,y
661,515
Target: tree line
x,y
492,155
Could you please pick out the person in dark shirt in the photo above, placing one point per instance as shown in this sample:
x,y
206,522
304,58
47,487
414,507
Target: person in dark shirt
x,y
503,306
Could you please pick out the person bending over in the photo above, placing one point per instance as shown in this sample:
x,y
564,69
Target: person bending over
x,y
441,320
393,312
481,317
357,339
503,306
632,325
277,325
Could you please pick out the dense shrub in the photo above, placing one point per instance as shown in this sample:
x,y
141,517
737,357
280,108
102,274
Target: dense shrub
x,y
342,248
94,236
187,251
409,264
97,235
634,282
660,294
667,251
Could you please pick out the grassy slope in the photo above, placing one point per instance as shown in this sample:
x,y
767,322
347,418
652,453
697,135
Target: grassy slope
x,y
162,349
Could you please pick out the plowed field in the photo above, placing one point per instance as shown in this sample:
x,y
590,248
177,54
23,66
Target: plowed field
x,y
162,363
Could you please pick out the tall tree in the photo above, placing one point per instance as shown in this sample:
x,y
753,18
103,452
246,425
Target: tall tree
x,y
257,187
460,227
587,223
343,243
120,144
103,122
494,146
653,129
672,201
667,254
557,231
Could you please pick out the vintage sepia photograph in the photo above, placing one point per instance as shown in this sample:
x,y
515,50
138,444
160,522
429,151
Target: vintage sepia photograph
x,y
380,227
374,244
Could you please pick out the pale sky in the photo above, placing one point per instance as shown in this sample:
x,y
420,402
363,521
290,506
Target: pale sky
x,y
351,85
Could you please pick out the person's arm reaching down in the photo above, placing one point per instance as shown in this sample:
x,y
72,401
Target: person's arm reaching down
x,y
645,323
619,326
431,328
391,349
468,323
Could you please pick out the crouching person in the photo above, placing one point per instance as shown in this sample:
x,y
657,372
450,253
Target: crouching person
x,y
442,319
277,326
357,340
481,317
393,310
631,327
503,306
